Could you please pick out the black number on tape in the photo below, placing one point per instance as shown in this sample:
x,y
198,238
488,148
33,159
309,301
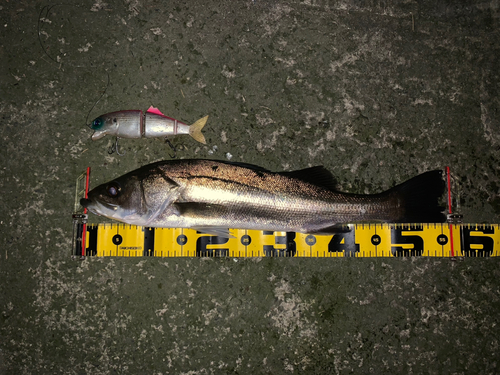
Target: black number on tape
x,y
470,237
344,242
398,238
92,245
289,241
204,241
149,242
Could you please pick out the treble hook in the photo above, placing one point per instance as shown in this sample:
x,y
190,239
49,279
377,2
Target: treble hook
x,y
172,147
114,148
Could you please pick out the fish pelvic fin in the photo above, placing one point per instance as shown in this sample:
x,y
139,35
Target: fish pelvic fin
x,y
420,198
195,130
332,229
215,231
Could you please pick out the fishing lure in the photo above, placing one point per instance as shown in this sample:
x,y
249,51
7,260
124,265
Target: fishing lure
x,y
136,124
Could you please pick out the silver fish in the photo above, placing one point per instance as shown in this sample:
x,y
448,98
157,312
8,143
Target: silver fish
x,y
211,196
136,124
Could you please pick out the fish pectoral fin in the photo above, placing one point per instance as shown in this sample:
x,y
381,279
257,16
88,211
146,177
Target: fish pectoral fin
x,y
197,210
216,231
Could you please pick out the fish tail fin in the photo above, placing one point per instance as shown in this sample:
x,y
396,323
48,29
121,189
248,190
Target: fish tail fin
x,y
420,198
195,130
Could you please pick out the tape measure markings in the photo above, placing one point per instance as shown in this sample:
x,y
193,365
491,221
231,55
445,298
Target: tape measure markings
x,y
362,240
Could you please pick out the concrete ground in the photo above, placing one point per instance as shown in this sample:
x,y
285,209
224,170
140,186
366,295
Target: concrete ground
x,y
376,91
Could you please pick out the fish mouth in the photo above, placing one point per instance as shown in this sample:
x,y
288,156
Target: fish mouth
x,y
85,203
109,210
95,207
89,205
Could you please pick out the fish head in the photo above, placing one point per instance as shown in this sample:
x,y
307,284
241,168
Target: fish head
x,y
118,199
137,198
102,126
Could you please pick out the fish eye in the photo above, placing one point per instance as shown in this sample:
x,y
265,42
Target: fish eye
x,y
113,189
97,123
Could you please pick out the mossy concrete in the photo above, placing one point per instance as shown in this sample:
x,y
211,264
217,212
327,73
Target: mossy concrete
x,y
376,91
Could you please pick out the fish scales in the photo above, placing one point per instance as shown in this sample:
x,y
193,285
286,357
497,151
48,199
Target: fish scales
x,y
203,194
270,193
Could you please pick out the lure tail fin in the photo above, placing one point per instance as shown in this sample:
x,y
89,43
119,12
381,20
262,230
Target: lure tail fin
x,y
420,198
195,130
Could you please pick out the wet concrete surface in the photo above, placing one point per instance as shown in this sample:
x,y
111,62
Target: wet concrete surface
x,y
375,91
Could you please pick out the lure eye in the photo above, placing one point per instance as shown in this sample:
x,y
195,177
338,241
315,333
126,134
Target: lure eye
x,y
113,189
97,123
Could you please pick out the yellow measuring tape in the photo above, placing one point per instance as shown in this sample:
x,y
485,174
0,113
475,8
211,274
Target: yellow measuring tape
x,y
356,240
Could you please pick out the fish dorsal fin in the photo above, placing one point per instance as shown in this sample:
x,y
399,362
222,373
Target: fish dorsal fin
x,y
154,110
318,176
